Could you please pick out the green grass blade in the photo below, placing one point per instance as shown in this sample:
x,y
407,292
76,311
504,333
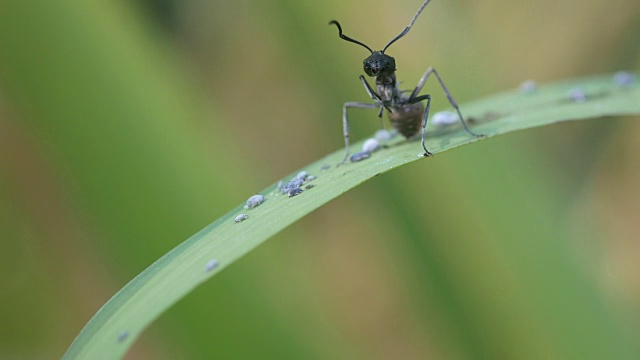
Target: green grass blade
x,y
121,320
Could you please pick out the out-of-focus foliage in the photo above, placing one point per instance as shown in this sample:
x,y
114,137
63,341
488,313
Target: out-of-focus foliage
x,y
120,126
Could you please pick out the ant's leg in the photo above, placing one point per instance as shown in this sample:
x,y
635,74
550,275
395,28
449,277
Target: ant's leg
x,y
425,115
345,123
375,98
381,119
373,94
421,83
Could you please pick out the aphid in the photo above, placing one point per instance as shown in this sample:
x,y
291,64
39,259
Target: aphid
x,y
240,218
310,178
302,175
383,135
123,335
623,78
406,112
444,118
325,167
310,186
254,201
293,184
295,191
528,87
578,95
211,264
359,156
370,145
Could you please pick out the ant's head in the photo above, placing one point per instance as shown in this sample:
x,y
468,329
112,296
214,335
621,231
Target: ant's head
x,y
379,64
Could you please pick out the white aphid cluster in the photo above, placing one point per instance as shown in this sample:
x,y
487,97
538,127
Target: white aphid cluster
x,y
293,187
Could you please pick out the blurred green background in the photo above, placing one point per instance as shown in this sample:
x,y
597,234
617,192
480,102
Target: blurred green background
x,y
125,128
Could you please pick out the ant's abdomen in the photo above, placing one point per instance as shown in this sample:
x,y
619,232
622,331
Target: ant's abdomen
x,y
407,119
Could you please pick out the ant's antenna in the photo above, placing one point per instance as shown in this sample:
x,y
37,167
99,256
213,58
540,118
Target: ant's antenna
x,y
406,30
345,37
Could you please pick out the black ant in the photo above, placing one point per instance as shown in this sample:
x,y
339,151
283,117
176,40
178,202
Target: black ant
x,y
405,111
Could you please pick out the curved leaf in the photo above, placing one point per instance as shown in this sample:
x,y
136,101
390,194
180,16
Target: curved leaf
x,y
121,320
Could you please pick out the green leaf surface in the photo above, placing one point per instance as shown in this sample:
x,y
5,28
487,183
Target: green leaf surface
x,y
122,319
